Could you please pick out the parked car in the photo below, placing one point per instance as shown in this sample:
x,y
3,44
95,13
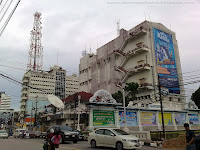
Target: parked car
x,y
66,132
30,134
18,132
80,135
3,134
114,138
37,134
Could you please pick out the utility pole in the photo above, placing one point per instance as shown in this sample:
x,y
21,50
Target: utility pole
x,y
36,102
161,105
31,115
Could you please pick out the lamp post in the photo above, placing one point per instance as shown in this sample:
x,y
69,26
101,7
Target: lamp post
x,y
124,104
78,126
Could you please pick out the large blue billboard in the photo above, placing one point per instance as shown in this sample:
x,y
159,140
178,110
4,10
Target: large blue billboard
x,y
165,61
131,118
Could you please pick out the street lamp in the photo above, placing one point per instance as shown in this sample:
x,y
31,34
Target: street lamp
x,y
124,101
78,126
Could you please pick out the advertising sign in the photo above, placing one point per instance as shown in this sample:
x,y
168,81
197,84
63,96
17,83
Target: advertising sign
x,y
131,118
193,119
180,118
148,118
165,61
167,118
103,118
5,117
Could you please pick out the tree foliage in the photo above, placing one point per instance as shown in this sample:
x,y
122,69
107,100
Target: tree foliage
x,y
132,87
196,97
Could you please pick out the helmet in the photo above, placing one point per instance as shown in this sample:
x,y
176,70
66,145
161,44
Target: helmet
x,y
51,130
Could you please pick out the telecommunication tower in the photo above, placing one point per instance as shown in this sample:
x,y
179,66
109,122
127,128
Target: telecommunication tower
x,y
35,60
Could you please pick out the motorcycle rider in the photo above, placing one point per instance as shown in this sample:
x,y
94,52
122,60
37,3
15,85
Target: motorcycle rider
x,y
55,140
49,137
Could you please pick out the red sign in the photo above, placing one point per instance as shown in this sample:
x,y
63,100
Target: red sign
x,y
29,119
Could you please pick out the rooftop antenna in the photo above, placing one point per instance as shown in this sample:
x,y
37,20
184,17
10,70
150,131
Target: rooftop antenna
x,y
145,16
149,17
90,49
118,27
57,56
97,45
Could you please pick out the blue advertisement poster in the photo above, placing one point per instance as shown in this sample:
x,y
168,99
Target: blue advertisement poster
x,y
193,119
165,61
180,118
131,118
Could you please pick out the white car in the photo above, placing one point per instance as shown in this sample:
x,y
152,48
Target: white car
x,y
3,134
18,132
114,138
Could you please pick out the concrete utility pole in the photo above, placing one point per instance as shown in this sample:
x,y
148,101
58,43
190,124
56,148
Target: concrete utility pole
x,y
78,126
124,104
161,105
31,115
36,102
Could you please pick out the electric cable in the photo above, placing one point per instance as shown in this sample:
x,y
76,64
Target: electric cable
x,y
6,10
3,6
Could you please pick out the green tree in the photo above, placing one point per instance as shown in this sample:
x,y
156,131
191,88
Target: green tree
x,y
196,97
118,96
132,88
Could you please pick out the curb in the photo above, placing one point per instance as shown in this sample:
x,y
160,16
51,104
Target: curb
x,y
151,144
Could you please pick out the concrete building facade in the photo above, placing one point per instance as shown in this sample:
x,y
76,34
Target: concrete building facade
x,y
5,101
72,84
128,58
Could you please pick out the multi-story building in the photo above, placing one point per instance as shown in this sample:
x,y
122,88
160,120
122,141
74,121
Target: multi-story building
x,y
60,76
4,101
142,54
72,85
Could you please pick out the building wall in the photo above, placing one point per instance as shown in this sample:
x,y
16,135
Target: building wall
x,y
72,85
5,101
105,76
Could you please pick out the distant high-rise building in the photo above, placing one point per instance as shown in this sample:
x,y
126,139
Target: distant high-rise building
x,y
5,101
72,84
147,54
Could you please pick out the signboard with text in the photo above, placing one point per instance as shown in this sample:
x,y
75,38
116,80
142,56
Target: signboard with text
x,y
103,118
148,118
167,118
165,61
193,119
131,118
180,118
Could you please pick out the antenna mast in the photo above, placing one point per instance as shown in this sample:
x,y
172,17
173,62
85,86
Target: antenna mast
x,y
35,61
118,27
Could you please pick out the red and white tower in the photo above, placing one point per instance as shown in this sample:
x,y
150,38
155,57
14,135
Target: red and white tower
x,y
35,60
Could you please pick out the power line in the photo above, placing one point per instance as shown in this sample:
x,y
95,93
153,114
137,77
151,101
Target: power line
x,y
1,2
10,16
3,5
6,10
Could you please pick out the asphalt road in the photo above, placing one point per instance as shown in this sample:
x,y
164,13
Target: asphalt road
x,y
36,144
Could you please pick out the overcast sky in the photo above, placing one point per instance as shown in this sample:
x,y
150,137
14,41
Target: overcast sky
x,y
69,25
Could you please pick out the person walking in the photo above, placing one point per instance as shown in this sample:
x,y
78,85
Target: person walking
x,y
190,138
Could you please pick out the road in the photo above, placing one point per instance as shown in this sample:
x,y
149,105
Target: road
x,y
36,144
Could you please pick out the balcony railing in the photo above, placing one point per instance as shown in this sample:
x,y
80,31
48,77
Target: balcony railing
x,y
139,68
139,49
139,31
119,52
120,69
146,85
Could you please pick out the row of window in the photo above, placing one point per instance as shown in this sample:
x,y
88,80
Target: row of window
x,y
41,92
86,82
143,97
46,77
71,88
43,81
43,85
72,80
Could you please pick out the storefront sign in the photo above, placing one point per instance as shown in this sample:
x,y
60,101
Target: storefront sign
x,y
131,118
103,118
148,118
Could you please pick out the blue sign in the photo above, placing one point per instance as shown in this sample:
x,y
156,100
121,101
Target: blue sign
x,y
165,61
131,118
180,118
193,119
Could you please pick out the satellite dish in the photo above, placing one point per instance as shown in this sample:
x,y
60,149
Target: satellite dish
x,y
54,100
84,53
